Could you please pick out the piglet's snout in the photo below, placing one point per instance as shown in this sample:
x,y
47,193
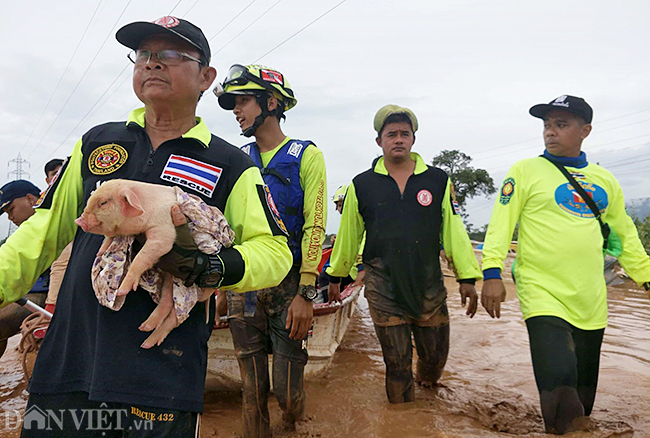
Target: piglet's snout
x,y
85,222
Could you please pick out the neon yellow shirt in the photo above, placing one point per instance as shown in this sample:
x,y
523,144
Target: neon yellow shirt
x,y
559,253
313,180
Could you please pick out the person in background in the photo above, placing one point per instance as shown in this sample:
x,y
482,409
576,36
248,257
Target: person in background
x,y
357,272
406,208
17,199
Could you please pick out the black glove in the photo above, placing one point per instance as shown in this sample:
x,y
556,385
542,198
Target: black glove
x,y
184,261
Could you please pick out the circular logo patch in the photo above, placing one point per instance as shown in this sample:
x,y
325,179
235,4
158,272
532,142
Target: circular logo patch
x,y
425,198
571,202
507,190
107,159
167,21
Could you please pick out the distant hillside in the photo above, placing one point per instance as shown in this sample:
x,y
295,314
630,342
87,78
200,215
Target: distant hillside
x,y
638,208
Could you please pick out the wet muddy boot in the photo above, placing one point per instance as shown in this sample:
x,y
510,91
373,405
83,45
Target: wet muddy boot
x,y
562,410
432,344
398,356
255,395
288,390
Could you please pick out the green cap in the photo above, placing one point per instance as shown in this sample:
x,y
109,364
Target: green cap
x,y
387,110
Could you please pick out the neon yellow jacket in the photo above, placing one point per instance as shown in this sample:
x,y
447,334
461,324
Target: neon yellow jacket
x,y
40,239
559,253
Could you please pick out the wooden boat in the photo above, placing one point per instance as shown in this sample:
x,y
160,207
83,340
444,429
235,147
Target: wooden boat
x,y
330,323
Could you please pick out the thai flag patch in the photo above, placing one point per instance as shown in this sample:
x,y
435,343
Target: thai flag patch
x,y
192,173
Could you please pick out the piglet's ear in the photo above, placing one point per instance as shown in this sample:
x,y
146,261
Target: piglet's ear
x,y
131,206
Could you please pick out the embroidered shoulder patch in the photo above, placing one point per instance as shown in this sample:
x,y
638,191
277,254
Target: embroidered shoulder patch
x,y
507,190
107,159
274,210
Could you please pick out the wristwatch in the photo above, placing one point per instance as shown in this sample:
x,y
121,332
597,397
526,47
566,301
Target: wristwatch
x,y
211,276
307,291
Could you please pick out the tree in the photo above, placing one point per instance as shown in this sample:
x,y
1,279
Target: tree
x,y
644,232
468,182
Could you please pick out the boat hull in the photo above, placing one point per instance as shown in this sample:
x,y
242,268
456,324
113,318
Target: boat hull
x,y
329,327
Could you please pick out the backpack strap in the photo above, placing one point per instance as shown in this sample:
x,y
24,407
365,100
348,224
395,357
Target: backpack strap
x,y
604,228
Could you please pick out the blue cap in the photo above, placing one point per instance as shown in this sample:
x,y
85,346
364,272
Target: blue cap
x,y
14,190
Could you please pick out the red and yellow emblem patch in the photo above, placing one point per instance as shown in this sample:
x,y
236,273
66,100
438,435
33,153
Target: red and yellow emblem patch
x,y
107,159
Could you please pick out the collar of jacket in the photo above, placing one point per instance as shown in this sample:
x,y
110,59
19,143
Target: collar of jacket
x,y
420,165
577,162
199,132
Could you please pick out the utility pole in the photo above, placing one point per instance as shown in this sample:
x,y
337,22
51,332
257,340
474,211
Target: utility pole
x,y
19,173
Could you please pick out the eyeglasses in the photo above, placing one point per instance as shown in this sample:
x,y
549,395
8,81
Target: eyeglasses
x,y
167,57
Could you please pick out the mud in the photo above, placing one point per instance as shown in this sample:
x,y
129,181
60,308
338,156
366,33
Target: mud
x,y
487,388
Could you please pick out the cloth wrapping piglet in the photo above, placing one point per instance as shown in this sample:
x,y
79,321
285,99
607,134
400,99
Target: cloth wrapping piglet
x,y
210,231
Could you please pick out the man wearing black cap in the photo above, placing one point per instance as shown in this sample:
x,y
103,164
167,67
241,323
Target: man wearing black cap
x,y
559,269
91,360
407,209
17,199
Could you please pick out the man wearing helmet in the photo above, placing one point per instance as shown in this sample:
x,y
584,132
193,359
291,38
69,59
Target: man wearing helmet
x,y
294,171
407,210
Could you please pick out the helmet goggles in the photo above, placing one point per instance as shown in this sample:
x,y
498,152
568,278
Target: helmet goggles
x,y
239,75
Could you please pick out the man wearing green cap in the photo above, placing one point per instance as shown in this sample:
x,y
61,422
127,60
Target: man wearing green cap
x,y
407,210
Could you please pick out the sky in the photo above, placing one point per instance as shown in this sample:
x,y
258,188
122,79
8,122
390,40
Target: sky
x,y
470,70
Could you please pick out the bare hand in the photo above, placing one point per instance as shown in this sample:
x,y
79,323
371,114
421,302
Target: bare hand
x,y
468,292
492,295
299,317
334,293
359,281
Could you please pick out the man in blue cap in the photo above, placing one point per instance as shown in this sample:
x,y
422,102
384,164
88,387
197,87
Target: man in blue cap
x,y
17,199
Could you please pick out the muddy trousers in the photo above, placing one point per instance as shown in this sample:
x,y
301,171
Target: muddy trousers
x,y
254,339
432,344
565,361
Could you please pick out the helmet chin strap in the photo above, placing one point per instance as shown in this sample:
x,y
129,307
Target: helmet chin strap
x,y
262,101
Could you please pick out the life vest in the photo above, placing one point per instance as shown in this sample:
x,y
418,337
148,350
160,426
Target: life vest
x,y
282,176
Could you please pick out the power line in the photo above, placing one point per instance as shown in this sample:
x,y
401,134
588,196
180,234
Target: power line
x,y
191,7
247,27
47,105
233,19
88,112
597,132
305,27
625,115
82,77
175,6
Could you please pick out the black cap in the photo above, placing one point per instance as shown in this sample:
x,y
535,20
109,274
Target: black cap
x,y
132,34
575,105
14,190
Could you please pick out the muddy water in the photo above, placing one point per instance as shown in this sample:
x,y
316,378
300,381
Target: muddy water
x,y
488,386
